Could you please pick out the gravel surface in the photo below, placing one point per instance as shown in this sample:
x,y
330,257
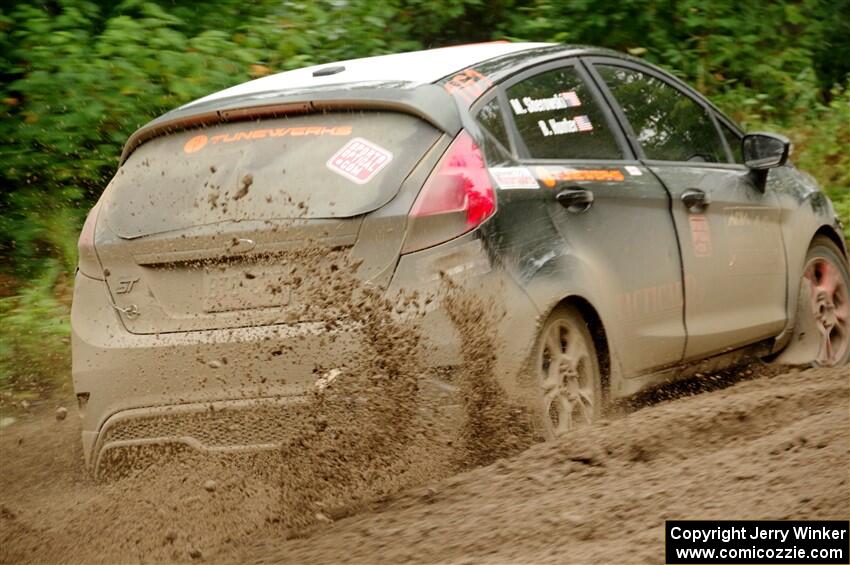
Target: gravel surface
x,y
772,447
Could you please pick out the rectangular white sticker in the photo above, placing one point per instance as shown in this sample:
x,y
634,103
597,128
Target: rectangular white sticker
x,y
634,171
513,177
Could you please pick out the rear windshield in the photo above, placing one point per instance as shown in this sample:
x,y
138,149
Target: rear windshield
x,y
315,166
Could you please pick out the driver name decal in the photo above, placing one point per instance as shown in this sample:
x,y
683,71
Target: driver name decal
x,y
561,127
359,160
560,101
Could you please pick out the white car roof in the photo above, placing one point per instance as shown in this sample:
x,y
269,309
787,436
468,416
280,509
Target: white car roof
x,y
418,67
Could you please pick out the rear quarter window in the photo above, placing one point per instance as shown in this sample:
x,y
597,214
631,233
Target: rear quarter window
x,y
496,144
557,117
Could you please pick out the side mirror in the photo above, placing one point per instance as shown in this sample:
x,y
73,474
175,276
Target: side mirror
x,y
764,151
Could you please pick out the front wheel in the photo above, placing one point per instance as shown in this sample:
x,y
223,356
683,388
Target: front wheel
x,y
822,326
569,392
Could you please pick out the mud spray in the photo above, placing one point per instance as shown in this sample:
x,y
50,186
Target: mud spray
x,y
368,429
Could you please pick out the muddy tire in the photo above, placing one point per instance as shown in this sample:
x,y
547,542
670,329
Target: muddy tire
x,y
822,325
566,375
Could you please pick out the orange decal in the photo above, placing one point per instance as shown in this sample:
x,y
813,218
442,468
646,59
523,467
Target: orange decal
x,y
550,177
195,144
200,141
468,84
700,235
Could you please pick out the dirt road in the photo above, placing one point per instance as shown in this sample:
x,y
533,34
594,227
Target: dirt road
x,y
774,447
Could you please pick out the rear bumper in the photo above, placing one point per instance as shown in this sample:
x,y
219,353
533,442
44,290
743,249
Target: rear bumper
x,y
130,386
222,427
119,375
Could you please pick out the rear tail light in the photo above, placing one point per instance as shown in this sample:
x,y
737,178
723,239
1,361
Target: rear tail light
x,y
457,197
88,262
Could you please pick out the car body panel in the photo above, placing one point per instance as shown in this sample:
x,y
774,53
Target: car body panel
x,y
733,258
428,102
114,370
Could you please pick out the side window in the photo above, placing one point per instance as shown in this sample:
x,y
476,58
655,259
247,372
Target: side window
x,y
495,132
734,141
558,118
669,125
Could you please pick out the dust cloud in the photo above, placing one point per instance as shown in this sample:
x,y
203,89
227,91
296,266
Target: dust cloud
x,y
369,429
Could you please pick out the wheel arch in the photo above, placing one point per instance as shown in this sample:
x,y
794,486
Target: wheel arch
x,y
597,332
832,234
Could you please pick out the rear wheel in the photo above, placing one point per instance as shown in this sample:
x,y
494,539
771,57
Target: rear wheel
x,y
822,326
569,394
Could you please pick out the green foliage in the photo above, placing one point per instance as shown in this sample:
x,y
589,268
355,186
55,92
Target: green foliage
x,y
34,353
820,133
821,146
768,47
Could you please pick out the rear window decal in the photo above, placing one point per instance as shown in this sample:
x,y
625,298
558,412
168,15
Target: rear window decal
x,y
550,176
469,84
196,144
359,160
561,127
513,177
200,141
560,101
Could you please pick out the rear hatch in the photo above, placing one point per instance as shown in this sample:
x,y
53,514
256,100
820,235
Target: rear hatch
x,y
195,223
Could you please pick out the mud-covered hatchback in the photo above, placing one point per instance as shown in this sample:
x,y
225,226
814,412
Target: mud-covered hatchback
x,y
627,229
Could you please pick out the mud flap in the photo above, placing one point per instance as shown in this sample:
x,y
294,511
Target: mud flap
x,y
806,341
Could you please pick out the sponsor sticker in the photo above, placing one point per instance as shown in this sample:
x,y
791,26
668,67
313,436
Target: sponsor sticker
x,y
468,84
359,160
634,171
550,176
700,235
513,177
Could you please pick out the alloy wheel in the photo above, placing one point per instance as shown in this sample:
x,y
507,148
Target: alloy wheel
x,y
828,296
567,378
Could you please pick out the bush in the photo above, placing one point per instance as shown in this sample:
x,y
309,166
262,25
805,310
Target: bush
x,y
820,133
34,337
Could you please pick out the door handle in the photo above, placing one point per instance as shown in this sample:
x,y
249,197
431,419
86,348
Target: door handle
x,y
575,200
695,200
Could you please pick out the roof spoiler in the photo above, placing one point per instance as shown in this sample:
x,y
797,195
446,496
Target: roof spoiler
x,y
428,102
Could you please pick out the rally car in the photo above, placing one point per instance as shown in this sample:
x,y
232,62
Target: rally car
x,y
630,230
